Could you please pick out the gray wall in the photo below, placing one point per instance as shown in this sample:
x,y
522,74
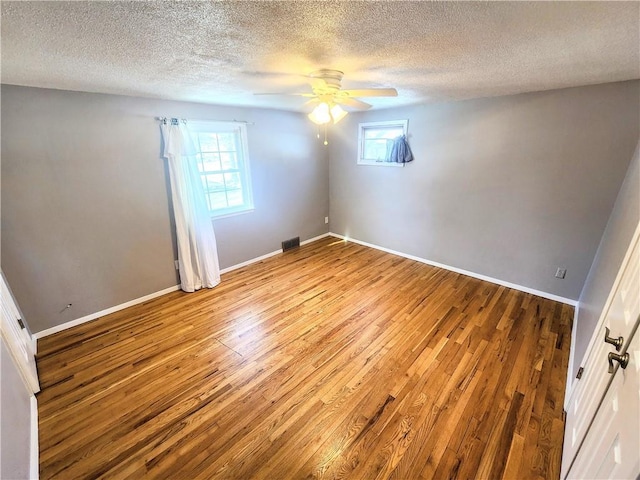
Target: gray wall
x,y
85,207
616,239
15,418
509,187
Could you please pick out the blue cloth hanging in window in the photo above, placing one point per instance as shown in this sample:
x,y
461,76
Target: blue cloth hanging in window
x,y
400,152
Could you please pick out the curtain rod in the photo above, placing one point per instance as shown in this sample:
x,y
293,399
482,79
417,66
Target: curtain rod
x,y
176,120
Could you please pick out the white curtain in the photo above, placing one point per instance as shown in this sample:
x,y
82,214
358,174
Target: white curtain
x,y
197,251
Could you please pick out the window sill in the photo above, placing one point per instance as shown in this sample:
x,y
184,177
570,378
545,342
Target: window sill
x,y
231,214
380,163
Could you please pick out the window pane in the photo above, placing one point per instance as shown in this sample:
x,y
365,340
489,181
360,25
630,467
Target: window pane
x,y
229,161
235,198
227,142
384,132
223,165
232,180
214,183
210,162
208,142
218,200
376,139
377,149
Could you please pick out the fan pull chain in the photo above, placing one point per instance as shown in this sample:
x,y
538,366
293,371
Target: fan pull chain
x,y
325,135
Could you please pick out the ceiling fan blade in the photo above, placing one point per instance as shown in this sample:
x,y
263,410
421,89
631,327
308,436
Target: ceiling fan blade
x,y
352,102
313,102
372,92
288,94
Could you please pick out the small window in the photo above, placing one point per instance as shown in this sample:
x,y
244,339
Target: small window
x,y
223,163
375,140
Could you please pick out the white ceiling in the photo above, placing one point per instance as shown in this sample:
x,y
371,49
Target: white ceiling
x,y
222,52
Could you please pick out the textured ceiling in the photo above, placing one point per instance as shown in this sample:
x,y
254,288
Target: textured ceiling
x,y
222,52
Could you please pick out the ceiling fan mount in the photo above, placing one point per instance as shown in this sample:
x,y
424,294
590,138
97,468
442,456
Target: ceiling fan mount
x,y
330,80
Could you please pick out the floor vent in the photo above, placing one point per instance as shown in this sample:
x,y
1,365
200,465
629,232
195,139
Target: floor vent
x,y
291,243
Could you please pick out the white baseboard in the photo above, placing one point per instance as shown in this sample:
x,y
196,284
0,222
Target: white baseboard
x,y
324,235
249,262
34,451
102,313
122,306
267,255
497,281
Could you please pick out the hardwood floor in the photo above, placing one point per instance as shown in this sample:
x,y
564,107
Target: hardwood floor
x,y
330,361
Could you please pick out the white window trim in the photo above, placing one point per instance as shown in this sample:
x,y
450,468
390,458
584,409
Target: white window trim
x,y
230,126
387,123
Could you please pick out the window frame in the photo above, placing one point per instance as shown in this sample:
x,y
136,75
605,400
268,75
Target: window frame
x,y
362,127
242,155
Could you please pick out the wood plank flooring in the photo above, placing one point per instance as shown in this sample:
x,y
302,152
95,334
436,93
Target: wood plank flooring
x,y
333,360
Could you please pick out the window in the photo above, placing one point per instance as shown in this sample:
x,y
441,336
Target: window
x,y
375,140
223,163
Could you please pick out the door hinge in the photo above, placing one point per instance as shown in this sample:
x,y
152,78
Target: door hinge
x,y
21,323
579,374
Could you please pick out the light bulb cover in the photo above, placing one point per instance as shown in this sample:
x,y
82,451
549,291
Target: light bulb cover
x,y
337,113
321,114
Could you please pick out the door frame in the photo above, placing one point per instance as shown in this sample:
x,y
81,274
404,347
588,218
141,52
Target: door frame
x,y
603,314
15,337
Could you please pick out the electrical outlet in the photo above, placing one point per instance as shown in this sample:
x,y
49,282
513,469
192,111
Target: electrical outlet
x,y
326,219
561,272
177,264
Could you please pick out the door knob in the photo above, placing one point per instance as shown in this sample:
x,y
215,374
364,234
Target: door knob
x,y
616,342
623,360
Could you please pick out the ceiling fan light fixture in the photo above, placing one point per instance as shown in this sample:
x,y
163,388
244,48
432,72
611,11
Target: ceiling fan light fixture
x,y
327,95
323,114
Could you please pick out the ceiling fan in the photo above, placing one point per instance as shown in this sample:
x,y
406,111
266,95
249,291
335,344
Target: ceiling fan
x,y
327,96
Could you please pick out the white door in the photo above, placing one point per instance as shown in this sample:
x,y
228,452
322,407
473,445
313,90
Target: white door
x,y
619,317
611,448
17,338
